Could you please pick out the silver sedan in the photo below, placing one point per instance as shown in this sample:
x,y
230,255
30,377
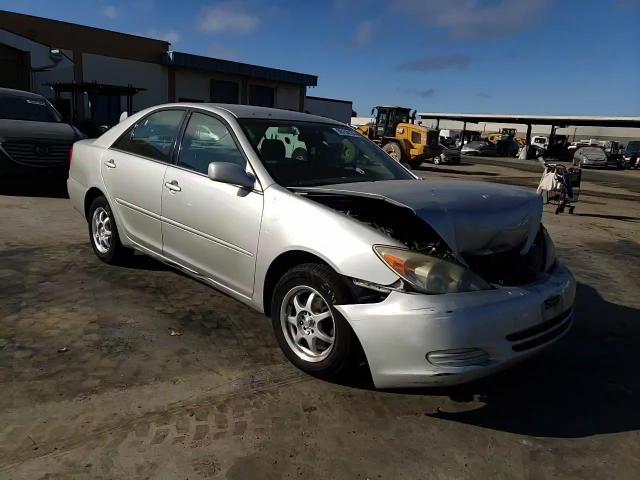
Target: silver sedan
x,y
350,254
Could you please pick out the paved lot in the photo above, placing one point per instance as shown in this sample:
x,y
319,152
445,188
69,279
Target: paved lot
x,y
95,386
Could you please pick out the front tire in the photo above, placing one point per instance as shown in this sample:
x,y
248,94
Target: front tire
x,y
313,335
103,233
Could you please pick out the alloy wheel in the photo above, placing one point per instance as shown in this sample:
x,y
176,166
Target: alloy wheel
x,y
101,230
307,323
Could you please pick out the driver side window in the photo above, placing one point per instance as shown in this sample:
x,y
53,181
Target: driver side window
x,y
207,140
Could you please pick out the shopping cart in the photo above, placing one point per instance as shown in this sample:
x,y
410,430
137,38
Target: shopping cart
x,y
561,186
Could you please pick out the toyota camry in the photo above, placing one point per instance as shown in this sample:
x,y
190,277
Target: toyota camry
x,y
348,252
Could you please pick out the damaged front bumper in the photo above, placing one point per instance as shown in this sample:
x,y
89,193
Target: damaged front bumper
x,y
431,340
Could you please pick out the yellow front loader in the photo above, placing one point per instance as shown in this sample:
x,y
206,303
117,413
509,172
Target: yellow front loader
x,y
394,129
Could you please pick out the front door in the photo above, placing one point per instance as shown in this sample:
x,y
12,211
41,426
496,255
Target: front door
x,y
207,226
133,171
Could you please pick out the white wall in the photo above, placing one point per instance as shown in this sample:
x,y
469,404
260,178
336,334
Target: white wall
x,y
340,111
117,71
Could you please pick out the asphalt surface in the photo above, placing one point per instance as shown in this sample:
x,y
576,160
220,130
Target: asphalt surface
x,y
138,372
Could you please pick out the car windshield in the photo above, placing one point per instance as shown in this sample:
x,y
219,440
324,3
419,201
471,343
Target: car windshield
x,y
633,147
592,151
33,109
302,154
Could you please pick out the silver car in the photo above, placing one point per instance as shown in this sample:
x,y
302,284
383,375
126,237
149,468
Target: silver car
x,y
348,252
590,157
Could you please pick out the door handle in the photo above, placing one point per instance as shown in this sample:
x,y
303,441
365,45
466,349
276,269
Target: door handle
x,y
173,186
110,163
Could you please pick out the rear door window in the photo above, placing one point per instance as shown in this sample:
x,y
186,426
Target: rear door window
x,y
154,136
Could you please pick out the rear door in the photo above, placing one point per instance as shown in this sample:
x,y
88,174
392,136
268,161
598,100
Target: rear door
x,y
133,171
208,226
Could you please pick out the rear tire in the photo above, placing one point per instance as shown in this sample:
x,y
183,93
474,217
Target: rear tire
x,y
394,151
312,334
103,233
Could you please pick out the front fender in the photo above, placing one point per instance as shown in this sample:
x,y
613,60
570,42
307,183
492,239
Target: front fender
x,y
291,222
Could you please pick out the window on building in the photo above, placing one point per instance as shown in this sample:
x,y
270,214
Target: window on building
x,y
262,96
224,91
153,136
208,140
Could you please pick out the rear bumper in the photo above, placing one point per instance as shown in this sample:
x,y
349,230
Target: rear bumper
x,y
465,335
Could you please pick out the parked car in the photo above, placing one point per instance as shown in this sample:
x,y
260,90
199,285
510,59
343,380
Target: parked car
x,y
632,154
481,148
507,148
33,137
590,157
446,155
438,282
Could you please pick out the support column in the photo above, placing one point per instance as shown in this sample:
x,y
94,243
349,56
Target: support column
x,y
437,124
528,139
464,133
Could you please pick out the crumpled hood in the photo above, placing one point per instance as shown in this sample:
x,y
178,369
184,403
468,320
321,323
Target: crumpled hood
x,y
62,132
472,217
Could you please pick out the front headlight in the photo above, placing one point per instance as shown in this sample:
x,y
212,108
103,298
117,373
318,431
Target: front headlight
x,y
429,274
549,251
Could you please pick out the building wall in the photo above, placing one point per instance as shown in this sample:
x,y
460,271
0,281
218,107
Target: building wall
x,y
196,85
75,37
118,71
326,107
58,69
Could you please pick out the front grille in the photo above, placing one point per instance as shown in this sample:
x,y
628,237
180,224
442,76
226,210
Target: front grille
x,y
541,333
38,153
510,268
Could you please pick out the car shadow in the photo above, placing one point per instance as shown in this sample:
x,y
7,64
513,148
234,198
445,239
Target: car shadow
x,y
586,384
49,187
140,261
623,218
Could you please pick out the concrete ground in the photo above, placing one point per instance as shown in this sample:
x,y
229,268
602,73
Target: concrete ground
x,y
140,372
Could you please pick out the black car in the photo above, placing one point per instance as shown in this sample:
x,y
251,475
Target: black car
x,y
631,154
33,137
446,155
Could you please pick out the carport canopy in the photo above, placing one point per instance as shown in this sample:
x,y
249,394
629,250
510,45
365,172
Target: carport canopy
x,y
556,121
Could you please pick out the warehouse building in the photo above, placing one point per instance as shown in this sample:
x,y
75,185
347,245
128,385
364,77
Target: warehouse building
x,y
93,74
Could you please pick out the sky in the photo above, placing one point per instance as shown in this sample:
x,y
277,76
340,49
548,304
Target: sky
x,y
555,57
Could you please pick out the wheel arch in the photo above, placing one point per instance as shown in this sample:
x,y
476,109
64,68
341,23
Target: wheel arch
x,y
89,197
283,262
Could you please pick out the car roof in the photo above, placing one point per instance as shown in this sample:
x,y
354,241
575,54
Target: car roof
x,y
10,92
251,111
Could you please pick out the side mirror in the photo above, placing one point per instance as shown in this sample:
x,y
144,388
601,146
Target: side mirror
x,y
231,173
287,140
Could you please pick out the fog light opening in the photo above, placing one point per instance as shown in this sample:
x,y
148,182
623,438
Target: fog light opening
x,y
461,357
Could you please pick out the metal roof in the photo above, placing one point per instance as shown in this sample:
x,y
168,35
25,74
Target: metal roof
x,y
557,120
197,62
